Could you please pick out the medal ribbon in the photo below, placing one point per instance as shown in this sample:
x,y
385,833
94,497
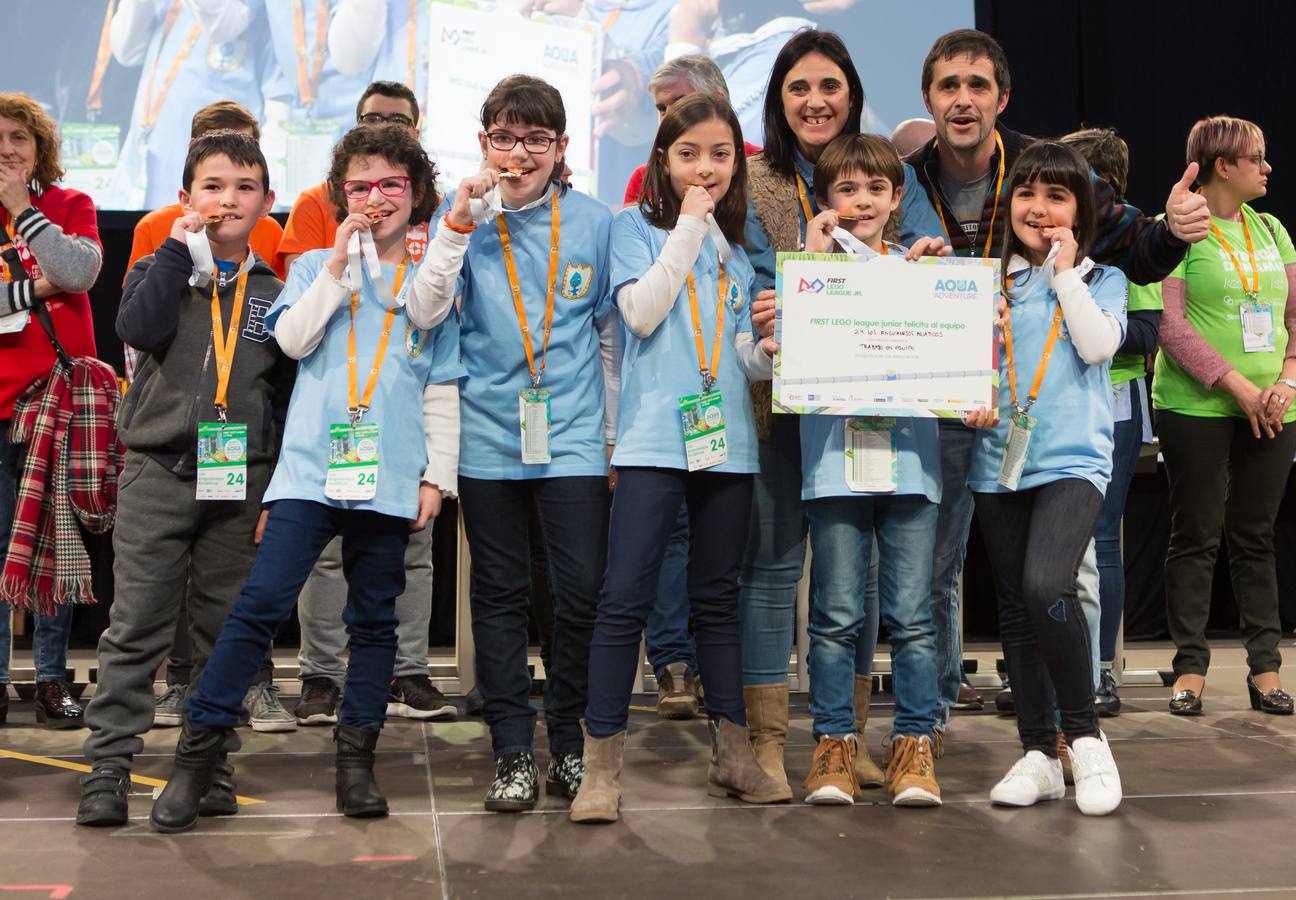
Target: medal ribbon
x,y
506,245
708,372
154,109
357,408
994,211
307,84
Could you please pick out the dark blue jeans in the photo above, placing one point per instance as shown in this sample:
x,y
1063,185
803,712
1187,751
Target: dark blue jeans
x,y
644,513
1107,533
667,636
49,642
573,516
373,562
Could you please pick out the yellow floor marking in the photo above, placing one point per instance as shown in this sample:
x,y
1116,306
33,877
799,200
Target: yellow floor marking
x,y
79,767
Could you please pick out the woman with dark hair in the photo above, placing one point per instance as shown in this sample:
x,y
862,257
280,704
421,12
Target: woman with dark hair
x,y
1224,392
1038,477
814,95
50,244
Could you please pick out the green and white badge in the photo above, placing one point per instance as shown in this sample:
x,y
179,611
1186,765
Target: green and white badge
x,y
222,461
1257,326
352,462
535,418
704,430
872,461
1015,450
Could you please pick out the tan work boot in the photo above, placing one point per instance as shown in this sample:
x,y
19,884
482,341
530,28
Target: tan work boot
x,y
676,692
734,771
911,772
866,771
767,722
832,772
1064,757
599,797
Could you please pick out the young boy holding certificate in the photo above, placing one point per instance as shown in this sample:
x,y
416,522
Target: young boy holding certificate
x,y
867,477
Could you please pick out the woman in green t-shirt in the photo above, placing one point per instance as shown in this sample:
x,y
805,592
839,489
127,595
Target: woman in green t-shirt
x,y
1224,389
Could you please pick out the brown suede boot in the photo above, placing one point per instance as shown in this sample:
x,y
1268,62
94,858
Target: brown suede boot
x,y
767,722
867,772
599,797
734,771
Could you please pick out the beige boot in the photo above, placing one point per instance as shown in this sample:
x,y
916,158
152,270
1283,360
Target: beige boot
x,y
734,771
599,797
866,771
767,722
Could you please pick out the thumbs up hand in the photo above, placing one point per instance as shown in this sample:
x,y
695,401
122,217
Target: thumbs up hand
x,y
1186,212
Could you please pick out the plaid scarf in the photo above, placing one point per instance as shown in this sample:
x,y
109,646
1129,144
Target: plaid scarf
x,y
69,479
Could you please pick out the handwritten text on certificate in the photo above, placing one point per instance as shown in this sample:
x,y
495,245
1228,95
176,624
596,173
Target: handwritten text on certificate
x,y
884,336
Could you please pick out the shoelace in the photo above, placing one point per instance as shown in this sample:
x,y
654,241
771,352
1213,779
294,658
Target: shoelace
x,y
906,754
833,758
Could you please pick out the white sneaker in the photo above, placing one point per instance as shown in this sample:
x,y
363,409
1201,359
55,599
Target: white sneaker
x,y
1032,778
1097,783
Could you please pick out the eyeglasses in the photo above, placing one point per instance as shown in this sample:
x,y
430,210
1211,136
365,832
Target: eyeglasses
x,y
533,143
380,119
359,189
1257,158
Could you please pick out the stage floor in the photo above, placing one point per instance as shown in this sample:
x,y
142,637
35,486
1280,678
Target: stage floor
x,y
1210,807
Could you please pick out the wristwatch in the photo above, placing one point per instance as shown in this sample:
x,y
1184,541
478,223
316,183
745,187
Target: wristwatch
x,y
1290,382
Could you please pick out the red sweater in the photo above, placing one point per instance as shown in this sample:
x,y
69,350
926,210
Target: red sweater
x,y
28,355
635,184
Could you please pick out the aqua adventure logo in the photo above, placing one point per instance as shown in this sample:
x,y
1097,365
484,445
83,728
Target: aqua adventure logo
x,y
955,289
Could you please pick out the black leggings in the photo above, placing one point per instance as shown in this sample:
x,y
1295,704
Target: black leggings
x,y
1035,540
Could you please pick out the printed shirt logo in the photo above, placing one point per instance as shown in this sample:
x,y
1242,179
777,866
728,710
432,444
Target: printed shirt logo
x,y
255,329
576,280
415,340
416,242
735,298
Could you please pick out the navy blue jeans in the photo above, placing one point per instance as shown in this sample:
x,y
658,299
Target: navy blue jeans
x,y
1107,533
49,642
573,516
667,636
644,513
373,562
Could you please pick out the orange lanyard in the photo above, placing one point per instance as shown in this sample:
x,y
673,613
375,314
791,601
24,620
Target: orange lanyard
x,y
358,407
506,244
307,84
411,42
94,97
1044,358
611,18
154,109
225,343
708,372
805,199
994,210
1255,269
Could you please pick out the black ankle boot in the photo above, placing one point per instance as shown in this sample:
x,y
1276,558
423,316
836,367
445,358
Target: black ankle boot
x,y
357,791
219,799
199,753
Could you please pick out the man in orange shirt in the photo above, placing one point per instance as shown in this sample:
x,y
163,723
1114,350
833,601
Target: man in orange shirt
x,y
266,713
155,227
313,222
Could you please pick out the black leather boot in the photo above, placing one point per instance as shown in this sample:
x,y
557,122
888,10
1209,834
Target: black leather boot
x,y
199,753
357,791
219,799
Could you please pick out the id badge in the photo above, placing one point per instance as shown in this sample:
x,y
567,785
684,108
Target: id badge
x,y
1015,450
704,430
222,461
534,420
872,461
352,462
1257,326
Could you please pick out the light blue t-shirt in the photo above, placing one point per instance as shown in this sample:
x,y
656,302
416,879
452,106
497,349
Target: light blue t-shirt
x,y
1073,434
414,359
490,440
917,219
659,369
336,93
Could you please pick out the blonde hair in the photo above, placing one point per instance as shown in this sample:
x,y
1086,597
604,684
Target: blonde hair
x,y
28,113
1221,137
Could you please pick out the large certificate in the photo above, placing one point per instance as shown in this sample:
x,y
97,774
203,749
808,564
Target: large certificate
x,y
883,336
475,43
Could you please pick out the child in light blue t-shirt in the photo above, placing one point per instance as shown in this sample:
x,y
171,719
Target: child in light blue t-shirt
x,y
529,259
685,433
357,460
1039,476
